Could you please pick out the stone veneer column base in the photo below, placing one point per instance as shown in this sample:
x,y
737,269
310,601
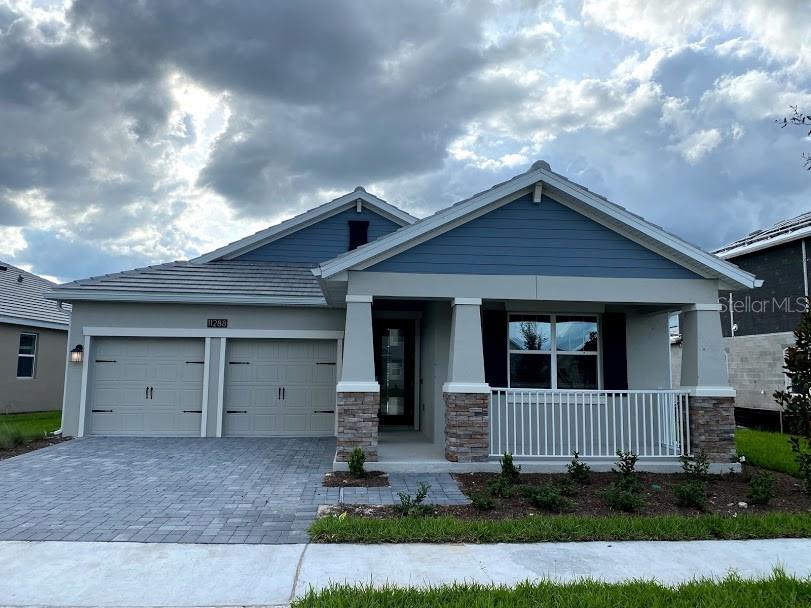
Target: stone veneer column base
x,y
712,427
357,424
467,427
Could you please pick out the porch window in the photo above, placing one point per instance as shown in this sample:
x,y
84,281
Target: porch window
x,y
553,351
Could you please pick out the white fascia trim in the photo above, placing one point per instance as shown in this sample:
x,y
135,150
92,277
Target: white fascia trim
x,y
702,307
178,332
468,301
465,387
527,180
709,391
305,219
359,299
357,387
92,295
765,243
34,323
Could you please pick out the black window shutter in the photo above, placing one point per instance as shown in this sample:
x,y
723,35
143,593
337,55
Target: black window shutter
x,y
615,364
494,342
358,233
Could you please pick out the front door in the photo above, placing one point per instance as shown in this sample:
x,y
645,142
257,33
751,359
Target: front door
x,y
394,364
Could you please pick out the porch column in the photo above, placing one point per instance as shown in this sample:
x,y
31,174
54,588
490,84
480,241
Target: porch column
x,y
358,399
466,393
704,374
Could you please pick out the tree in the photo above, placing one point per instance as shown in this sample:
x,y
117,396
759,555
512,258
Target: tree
x,y
796,400
798,119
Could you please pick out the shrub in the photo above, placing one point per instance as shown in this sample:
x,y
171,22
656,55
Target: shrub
x,y
566,486
761,489
10,437
509,472
356,460
500,487
691,494
625,494
414,506
697,467
548,497
481,501
578,470
626,463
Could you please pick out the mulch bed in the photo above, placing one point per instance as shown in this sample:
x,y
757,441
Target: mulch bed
x,y
724,493
30,446
344,479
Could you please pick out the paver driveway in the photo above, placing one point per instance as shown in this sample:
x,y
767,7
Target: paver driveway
x,y
189,490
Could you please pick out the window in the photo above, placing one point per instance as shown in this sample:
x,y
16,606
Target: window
x,y
26,355
553,351
358,233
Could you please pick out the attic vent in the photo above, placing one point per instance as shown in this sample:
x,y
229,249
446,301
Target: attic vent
x,y
358,234
19,278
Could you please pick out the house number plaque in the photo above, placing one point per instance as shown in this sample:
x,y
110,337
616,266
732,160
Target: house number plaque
x,y
218,323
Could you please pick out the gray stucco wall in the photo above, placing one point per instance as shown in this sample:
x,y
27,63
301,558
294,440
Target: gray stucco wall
x,y
43,391
435,343
648,351
181,316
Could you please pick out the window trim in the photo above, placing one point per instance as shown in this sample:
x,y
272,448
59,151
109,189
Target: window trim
x,y
27,356
553,351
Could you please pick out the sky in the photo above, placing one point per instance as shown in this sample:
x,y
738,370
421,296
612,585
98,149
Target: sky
x,y
137,132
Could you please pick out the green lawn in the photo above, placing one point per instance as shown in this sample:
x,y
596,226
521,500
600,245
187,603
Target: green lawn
x,y
779,591
19,428
766,449
559,528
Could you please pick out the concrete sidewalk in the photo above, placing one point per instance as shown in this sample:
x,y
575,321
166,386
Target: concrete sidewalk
x,y
134,574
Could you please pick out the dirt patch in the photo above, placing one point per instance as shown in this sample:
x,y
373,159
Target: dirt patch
x,y
30,446
344,479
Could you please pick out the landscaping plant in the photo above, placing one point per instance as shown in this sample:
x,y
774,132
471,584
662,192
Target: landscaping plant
x,y
796,399
10,437
697,466
761,489
548,496
357,458
625,494
500,487
413,506
481,501
578,470
693,492
509,472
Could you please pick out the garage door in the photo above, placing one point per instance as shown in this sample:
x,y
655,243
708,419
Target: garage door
x,y
279,387
145,386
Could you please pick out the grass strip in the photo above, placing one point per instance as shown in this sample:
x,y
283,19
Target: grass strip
x,y
16,429
562,528
766,449
778,591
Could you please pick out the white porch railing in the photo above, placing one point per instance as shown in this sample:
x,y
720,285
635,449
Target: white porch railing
x,y
555,423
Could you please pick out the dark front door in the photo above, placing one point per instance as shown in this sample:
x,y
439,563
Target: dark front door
x,y
394,364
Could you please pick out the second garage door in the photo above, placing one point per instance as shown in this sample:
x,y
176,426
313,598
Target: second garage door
x,y
279,387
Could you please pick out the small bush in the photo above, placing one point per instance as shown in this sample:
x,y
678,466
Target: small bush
x,y
626,463
500,488
414,506
509,472
548,497
696,467
691,494
482,501
356,461
621,496
761,489
10,437
578,470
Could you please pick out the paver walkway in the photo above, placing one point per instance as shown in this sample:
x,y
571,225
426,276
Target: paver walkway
x,y
182,490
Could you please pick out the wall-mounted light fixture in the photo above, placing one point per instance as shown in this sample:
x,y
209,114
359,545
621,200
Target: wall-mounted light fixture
x,y
77,354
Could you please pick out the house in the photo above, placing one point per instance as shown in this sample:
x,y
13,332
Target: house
x,y
531,318
758,323
33,335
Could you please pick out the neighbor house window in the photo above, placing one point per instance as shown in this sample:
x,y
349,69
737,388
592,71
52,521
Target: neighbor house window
x,y
26,356
553,351
358,233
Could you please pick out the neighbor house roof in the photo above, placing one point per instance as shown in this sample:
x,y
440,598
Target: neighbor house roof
x,y
214,282
263,237
22,300
782,232
541,178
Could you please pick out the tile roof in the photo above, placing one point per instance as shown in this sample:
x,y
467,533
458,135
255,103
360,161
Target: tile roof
x,y
22,297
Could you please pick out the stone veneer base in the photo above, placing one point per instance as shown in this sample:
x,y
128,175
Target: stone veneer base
x,y
357,424
712,428
467,427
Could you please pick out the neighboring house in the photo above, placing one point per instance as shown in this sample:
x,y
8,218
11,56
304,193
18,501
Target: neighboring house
x,y
33,334
530,318
758,323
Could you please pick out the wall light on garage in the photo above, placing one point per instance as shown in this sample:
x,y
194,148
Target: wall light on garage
x,y
77,354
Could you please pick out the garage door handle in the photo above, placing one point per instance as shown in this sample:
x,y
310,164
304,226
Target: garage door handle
x,y
236,411
151,392
323,411
102,411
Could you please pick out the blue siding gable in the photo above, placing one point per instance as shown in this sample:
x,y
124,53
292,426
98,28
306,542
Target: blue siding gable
x,y
523,238
321,241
